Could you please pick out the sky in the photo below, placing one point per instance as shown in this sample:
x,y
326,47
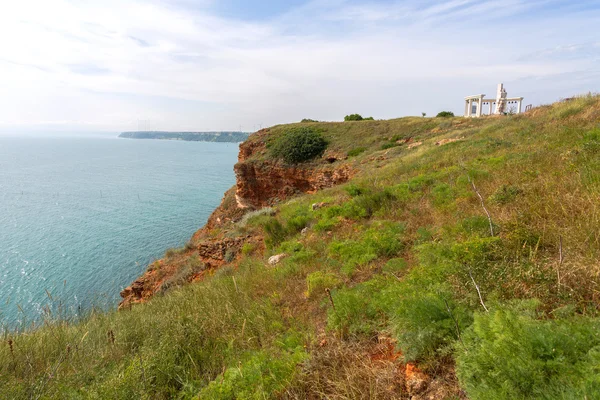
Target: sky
x,y
204,65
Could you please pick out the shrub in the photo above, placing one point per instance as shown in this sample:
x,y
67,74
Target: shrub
x,y
360,310
381,240
268,211
318,281
298,145
230,255
386,146
297,222
259,377
366,204
330,218
510,355
353,117
395,265
352,253
170,252
248,248
442,194
307,120
356,151
354,190
425,323
276,232
326,224
445,114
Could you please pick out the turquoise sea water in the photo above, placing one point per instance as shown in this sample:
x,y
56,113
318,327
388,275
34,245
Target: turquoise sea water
x,y
81,217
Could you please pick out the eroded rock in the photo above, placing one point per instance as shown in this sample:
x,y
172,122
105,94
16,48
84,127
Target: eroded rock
x,y
274,260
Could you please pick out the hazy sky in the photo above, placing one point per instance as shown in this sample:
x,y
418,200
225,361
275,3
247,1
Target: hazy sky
x,y
221,64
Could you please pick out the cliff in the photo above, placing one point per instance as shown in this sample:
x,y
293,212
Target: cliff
x,y
260,182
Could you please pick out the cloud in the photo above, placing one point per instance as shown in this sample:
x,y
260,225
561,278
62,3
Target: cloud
x,y
182,66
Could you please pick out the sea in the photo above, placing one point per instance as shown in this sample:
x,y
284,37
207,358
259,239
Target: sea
x,y
82,216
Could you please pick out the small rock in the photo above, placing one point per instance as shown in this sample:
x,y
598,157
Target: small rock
x,y
317,206
304,231
413,145
274,260
446,141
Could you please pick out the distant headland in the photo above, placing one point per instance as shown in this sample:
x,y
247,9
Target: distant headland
x,y
229,137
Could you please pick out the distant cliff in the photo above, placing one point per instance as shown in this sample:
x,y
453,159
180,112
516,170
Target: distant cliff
x,y
231,137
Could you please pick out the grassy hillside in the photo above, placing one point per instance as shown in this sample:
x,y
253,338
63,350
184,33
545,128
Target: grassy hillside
x,y
475,259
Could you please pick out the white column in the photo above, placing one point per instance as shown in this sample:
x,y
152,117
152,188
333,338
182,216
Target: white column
x,y
519,107
479,106
466,108
469,107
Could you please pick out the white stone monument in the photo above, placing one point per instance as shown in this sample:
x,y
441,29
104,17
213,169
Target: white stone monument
x,y
474,104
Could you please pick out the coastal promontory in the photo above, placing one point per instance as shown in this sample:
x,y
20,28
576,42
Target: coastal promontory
x,y
226,137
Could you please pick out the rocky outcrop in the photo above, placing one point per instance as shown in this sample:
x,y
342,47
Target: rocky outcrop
x,y
261,181
261,184
213,253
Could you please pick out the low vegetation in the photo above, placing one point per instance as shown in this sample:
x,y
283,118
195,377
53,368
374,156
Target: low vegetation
x,y
357,117
297,145
474,260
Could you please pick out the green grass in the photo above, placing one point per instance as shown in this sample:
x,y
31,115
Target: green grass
x,y
406,252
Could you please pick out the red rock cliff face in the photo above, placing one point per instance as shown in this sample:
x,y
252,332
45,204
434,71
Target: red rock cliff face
x,y
262,182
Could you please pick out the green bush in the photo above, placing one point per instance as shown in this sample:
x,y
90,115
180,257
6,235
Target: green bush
x,y
442,194
259,377
361,310
367,204
427,323
318,281
381,240
355,190
356,151
445,114
511,355
307,120
353,117
357,117
276,232
395,265
351,253
296,219
251,216
298,145
326,224
386,146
